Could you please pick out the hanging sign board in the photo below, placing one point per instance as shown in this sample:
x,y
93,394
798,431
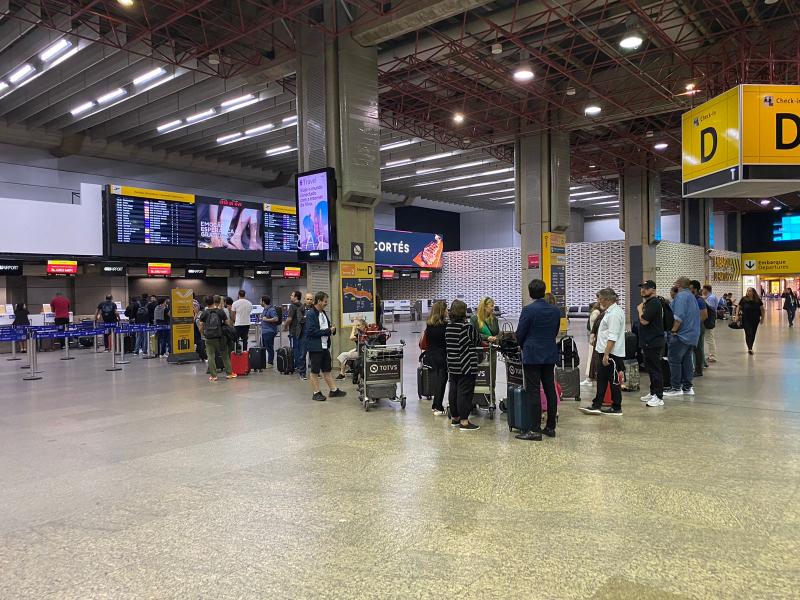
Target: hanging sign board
x,y
357,287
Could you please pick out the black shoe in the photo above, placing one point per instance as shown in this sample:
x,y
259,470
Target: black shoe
x,y
319,397
530,436
610,410
340,376
455,423
469,427
549,432
750,352
590,410
337,393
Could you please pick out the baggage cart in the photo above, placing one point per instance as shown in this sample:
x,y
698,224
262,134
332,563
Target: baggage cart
x,y
381,374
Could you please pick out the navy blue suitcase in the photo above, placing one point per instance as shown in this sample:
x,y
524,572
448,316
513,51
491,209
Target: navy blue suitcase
x,y
519,409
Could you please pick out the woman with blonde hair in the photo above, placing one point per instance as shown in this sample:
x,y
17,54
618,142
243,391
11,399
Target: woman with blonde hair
x,y
485,322
435,347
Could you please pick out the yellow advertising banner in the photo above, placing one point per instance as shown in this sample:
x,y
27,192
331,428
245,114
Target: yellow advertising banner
x,y
357,289
771,124
280,209
771,263
182,311
554,270
710,136
137,192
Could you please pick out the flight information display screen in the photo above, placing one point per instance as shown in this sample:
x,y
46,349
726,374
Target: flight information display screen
x,y
151,223
786,229
280,232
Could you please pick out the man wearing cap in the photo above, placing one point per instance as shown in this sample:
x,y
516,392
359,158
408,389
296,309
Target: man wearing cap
x,y
651,340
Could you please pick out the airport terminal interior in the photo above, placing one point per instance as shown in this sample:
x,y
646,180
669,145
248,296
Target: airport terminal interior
x,y
286,286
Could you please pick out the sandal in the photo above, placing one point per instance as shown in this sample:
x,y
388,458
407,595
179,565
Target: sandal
x,y
213,378
231,376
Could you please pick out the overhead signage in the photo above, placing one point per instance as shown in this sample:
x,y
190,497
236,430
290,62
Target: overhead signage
x,y
387,274
357,288
554,270
182,326
195,271
771,263
280,232
10,268
356,251
408,249
262,272
745,142
229,229
113,269
292,272
533,261
124,190
424,274
62,267
159,269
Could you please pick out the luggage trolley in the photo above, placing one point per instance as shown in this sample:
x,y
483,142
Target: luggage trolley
x,y
484,397
381,372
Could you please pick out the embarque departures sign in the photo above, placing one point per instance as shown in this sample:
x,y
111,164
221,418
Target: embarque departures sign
x,y
743,143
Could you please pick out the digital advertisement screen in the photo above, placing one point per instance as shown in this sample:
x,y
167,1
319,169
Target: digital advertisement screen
x,y
292,272
228,230
314,193
786,229
424,274
159,269
62,267
408,249
280,232
150,223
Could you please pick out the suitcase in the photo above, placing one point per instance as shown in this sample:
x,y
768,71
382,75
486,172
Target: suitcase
x,y
86,342
129,343
543,397
519,410
631,345
426,381
630,377
240,361
568,353
285,360
258,359
570,382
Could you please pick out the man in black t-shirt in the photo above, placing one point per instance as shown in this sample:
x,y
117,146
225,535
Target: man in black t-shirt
x,y
651,340
107,312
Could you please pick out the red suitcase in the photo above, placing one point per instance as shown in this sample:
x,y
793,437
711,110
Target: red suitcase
x,y
240,362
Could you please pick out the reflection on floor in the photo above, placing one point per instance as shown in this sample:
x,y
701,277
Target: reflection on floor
x,y
152,483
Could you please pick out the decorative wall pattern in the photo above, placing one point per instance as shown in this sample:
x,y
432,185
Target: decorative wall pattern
x,y
724,287
592,266
674,260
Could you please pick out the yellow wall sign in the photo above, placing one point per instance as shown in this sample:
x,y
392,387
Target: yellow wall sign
x,y
137,192
771,124
182,311
710,136
554,270
771,263
357,289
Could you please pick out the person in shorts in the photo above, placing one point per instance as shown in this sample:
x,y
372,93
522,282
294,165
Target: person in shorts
x,y
319,331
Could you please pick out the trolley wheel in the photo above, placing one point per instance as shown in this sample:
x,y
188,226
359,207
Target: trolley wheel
x,y
491,413
578,398
366,404
502,406
403,402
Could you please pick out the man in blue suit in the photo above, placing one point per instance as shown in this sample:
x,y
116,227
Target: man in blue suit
x,y
536,333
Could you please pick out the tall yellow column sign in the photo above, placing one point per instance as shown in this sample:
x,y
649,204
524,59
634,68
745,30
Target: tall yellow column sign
x,y
182,311
554,270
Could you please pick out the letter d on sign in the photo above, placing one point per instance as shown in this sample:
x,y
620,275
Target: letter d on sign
x,y
780,144
705,157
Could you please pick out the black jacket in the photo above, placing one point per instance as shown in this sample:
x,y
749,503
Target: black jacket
x,y
436,354
652,334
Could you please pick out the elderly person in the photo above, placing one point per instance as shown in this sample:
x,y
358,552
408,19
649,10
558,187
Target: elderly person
x,y
359,326
461,341
610,345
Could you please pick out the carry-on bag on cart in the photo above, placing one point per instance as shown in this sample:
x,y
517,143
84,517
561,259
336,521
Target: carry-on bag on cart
x,y
570,382
258,358
240,361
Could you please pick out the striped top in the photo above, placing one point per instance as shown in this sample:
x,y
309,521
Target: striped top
x,y
462,339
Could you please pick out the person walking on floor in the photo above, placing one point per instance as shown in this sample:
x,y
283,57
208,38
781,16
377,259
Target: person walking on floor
x,y
713,304
435,348
683,338
611,348
789,304
319,331
750,312
462,341
241,318
210,324
651,340
270,321
536,334
699,349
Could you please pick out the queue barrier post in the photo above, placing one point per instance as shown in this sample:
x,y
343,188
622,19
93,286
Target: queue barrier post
x,y
149,355
14,351
112,338
66,345
33,362
121,340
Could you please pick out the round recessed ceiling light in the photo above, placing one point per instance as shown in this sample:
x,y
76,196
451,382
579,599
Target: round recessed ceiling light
x,y
523,73
631,41
592,110
592,166
766,202
458,118
776,208
690,87
661,146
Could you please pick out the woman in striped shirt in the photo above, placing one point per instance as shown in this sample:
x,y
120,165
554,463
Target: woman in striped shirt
x,y
462,341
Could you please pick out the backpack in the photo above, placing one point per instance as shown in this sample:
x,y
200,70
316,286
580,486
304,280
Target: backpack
x,y
213,326
711,319
142,315
668,315
568,351
107,309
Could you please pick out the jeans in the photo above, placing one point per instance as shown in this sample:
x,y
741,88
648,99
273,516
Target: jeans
x,y
141,342
652,363
538,377
268,342
299,351
680,364
462,389
244,334
163,340
699,352
790,315
750,330
609,376
220,345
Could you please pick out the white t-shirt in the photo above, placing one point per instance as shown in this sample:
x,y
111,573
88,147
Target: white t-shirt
x,y
242,307
612,328
323,324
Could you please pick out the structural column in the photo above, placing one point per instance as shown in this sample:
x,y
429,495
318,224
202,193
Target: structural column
x,y
338,126
542,166
697,222
640,219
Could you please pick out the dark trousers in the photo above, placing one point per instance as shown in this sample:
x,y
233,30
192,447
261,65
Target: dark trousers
x,y
61,322
750,330
699,352
539,377
440,377
652,364
244,333
299,352
790,314
268,342
462,389
609,376
163,339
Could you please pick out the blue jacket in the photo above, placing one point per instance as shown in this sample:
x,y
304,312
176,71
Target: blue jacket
x,y
537,331
313,333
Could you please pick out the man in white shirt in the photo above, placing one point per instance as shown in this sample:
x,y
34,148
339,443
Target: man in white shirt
x,y
241,317
611,348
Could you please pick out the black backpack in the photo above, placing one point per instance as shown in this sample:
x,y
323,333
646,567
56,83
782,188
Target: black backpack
x,y
568,352
142,315
213,325
108,309
669,316
711,319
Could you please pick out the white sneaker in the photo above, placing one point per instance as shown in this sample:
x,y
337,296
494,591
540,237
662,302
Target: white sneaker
x,y
438,413
689,392
655,401
672,393
587,382
646,398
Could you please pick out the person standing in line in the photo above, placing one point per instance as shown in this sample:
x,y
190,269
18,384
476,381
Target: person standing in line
x,y
611,348
699,349
60,307
651,340
536,334
461,342
161,317
210,324
141,317
302,367
269,328
485,323
294,326
751,314
436,353
789,304
227,306
713,307
595,317
682,340
151,310
107,311
241,318
319,331
22,319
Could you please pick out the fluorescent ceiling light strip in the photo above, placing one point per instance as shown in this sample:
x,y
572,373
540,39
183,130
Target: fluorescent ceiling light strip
x,y
170,125
428,158
81,108
201,115
239,100
576,187
592,198
502,198
492,192
461,177
280,150
54,50
230,136
149,76
427,171
64,57
605,215
584,193
259,129
474,185
394,163
112,95
21,73
604,203
398,144
3,85
287,120
467,165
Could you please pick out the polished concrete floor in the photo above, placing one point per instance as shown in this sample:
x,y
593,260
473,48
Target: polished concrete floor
x,y
152,483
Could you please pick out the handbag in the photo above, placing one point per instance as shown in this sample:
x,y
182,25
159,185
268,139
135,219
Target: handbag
x,y
735,325
423,341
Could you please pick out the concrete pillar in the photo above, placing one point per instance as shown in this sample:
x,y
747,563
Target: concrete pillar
x,y
542,198
640,219
338,126
733,232
577,222
697,222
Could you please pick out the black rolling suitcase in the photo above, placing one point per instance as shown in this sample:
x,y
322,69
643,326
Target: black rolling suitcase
x,y
518,409
426,379
258,358
285,361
